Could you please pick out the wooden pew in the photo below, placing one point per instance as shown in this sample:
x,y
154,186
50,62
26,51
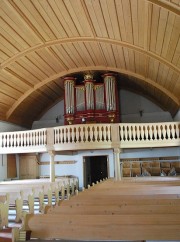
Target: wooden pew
x,y
105,227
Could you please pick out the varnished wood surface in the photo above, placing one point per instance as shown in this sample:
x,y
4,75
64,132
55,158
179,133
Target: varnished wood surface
x,y
99,213
42,41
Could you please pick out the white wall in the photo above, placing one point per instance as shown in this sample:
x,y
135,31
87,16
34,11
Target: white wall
x,y
177,116
131,104
49,118
77,168
9,127
3,167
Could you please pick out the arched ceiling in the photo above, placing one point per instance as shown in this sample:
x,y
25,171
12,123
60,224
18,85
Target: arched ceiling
x,y
44,40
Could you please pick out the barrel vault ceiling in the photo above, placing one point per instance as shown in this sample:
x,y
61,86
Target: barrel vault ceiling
x,y
44,40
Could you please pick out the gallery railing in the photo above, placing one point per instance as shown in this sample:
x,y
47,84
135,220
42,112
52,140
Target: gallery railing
x,y
92,136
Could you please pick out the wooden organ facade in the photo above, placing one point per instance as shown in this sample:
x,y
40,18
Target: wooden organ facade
x,y
90,101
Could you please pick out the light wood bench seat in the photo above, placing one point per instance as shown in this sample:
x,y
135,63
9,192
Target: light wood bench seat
x,y
105,227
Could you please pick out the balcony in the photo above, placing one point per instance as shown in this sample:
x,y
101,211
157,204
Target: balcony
x,y
91,136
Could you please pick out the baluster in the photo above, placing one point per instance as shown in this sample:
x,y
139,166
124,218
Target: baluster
x,y
133,132
125,133
163,132
109,133
73,134
87,134
150,132
68,135
91,132
100,133
7,142
65,134
168,131
173,131
130,133
155,132
59,136
105,134
95,134
121,132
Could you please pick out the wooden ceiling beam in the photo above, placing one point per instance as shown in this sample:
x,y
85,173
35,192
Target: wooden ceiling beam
x,y
167,5
90,39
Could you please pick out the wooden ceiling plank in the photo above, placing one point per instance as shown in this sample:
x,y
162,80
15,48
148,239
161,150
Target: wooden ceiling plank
x,y
174,39
86,56
22,27
117,57
128,21
168,33
37,20
13,81
53,20
137,61
80,17
8,43
47,61
3,56
71,50
126,58
65,18
154,27
30,66
63,56
6,89
5,98
176,57
74,15
15,74
51,59
97,19
167,5
144,21
41,63
131,60
107,19
121,57
50,27
161,30
121,22
90,48
12,32
12,41
114,19
175,84
107,52
48,89
6,48
33,18
135,21
56,89
23,73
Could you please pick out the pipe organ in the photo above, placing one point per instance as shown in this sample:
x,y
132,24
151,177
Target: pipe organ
x,y
91,102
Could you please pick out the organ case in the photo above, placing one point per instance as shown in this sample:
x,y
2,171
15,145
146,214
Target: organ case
x,y
90,101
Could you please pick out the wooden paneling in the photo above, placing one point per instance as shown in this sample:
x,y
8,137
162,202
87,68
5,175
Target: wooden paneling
x,y
11,166
43,40
28,167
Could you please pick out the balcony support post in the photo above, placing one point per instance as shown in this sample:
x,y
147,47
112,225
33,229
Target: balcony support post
x,y
52,166
117,165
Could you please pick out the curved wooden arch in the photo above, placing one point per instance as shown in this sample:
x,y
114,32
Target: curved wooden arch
x,y
90,39
81,69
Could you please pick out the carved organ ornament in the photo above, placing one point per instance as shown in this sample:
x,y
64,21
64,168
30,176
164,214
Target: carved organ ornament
x,y
91,102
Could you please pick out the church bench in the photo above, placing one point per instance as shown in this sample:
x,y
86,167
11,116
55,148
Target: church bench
x,y
114,209
104,227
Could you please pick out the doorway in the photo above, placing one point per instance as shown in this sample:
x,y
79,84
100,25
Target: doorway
x,y
95,169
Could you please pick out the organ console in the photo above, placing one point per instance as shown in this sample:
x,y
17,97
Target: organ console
x,y
90,101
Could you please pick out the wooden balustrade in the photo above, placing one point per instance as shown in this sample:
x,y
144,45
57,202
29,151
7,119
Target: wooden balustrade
x,y
92,136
